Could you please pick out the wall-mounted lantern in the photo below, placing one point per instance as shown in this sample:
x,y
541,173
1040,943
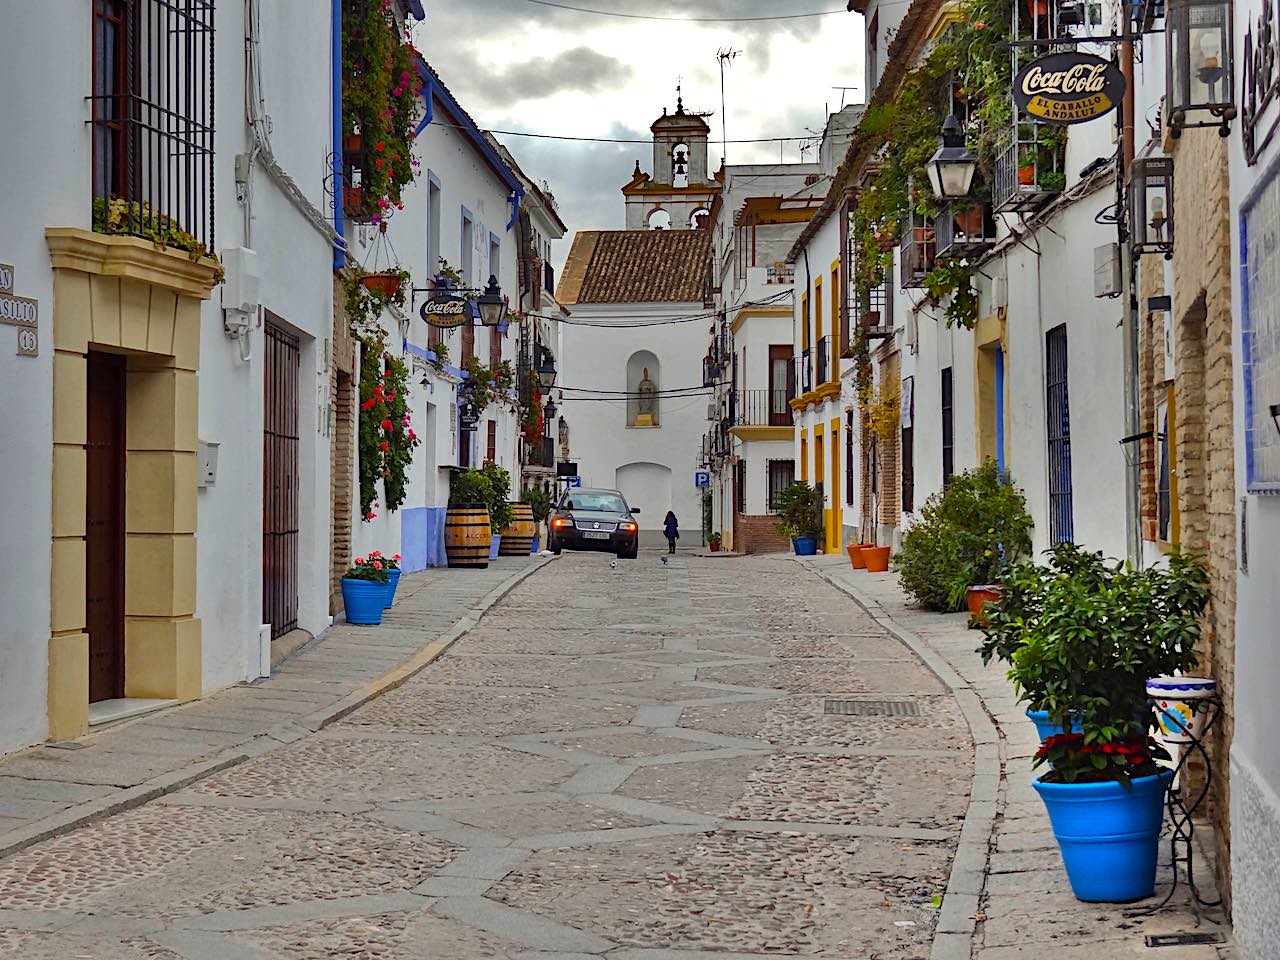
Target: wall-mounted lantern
x,y
1151,206
547,370
951,169
1200,75
492,307
549,411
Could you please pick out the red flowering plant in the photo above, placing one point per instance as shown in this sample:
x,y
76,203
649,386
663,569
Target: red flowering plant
x,y
369,568
1081,637
386,436
390,563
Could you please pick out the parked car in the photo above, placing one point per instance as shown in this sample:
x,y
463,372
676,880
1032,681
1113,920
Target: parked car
x,y
594,519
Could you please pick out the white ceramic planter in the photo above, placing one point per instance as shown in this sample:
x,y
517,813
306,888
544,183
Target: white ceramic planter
x,y
1179,710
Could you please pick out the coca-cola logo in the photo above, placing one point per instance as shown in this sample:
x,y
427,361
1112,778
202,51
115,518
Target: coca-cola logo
x,y
1065,88
445,311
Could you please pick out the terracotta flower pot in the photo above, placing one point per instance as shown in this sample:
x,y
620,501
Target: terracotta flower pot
x,y
855,556
715,547
978,596
353,143
876,559
1027,175
969,222
353,198
384,285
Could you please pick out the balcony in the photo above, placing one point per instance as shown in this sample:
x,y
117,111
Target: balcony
x,y
802,373
825,367
919,250
549,278
542,453
1029,170
760,408
965,233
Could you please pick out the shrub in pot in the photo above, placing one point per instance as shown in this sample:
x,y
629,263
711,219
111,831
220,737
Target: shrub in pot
x,y
364,590
966,535
714,541
1081,637
539,501
499,507
799,517
468,542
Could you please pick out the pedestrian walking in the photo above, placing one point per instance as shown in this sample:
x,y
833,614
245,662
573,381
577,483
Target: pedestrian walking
x,y
671,527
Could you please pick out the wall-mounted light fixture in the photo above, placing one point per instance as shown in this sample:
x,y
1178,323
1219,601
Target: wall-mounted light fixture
x,y
951,169
1151,205
1199,65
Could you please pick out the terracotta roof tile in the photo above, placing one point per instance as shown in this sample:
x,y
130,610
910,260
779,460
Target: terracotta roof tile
x,y
636,266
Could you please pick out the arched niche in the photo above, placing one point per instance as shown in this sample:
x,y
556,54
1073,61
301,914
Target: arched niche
x,y
680,165
638,364
697,218
659,219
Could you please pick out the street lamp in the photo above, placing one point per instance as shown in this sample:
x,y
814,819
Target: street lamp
x,y
547,370
492,306
549,411
951,169
1199,64
1151,211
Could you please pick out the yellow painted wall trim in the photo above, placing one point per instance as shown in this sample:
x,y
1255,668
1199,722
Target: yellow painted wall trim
x,y
72,248
763,432
749,313
798,403
991,328
829,390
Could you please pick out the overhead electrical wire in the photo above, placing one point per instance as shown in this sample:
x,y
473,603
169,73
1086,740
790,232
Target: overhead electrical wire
x,y
770,300
556,136
645,16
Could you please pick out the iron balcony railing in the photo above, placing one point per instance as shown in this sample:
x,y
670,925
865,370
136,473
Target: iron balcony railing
x,y
542,453
965,233
152,119
1029,171
761,408
803,373
919,251
825,368
549,278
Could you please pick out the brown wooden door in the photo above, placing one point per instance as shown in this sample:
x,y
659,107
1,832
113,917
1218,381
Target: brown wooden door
x,y
104,527
780,384
280,483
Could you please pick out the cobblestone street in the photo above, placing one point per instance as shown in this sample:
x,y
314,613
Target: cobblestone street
x,y
621,760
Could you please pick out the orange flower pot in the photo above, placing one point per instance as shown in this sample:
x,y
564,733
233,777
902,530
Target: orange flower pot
x,y
1027,175
876,559
384,285
855,556
978,597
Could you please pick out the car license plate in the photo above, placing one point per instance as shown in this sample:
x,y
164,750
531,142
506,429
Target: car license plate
x,y
595,535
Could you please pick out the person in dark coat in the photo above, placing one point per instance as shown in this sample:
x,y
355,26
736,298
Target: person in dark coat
x,y
671,527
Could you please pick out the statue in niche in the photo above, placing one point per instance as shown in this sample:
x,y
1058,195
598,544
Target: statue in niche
x,y
646,401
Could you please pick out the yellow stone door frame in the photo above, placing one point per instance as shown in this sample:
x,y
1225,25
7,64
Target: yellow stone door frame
x,y
130,297
833,515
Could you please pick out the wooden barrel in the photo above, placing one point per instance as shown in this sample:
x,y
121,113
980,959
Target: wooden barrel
x,y
517,539
467,536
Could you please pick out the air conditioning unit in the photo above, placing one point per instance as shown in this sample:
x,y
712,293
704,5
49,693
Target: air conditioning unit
x,y
713,410
1108,280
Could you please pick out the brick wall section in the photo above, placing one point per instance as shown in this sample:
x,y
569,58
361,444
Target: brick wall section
x,y
757,533
1203,394
343,391
1151,384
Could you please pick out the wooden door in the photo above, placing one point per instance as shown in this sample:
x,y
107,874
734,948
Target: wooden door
x,y
104,526
280,483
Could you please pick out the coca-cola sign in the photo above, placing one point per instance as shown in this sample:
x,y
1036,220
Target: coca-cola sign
x,y
445,310
1065,88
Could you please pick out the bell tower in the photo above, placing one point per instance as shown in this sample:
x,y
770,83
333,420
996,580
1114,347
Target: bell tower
x,y
679,190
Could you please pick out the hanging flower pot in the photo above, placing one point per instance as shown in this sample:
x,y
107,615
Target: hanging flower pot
x,y
353,143
385,284
1027,175
353,199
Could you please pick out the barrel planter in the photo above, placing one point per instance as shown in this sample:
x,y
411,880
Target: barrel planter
x,y
1109,834
393,581
363,601
517,539
805,546
876,559
467,536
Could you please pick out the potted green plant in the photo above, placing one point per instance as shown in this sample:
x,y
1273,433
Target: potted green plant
x,y
1081,638
499,507
539,501
955,554
714,541
364,591
799,517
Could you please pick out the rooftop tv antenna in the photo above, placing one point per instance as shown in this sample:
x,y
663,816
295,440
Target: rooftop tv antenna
x,y
724,55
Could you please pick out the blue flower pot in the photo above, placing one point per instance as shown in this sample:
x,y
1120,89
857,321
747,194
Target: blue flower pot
x,y
393,581
494,544
805,546
1109,835
537,546
1046,728
364,600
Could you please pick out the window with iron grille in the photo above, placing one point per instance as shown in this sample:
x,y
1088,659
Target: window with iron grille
x,y
948,429
781,474
491,449
740,486
152,118
907,454
1058,414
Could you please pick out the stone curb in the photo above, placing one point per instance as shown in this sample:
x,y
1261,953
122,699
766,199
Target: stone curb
x,y
92,811
957,920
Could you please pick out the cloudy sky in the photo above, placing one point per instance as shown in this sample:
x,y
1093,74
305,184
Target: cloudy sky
x,y
516,65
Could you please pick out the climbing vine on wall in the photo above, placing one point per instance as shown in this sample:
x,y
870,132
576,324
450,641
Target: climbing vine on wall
x,y
386,438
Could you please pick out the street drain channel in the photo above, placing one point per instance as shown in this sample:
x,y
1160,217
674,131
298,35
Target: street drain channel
x,y
870,708
1182,939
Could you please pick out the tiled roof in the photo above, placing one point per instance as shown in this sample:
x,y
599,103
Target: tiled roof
x,y
636,266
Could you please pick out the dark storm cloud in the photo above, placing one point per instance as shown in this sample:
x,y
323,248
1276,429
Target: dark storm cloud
x,y
581,69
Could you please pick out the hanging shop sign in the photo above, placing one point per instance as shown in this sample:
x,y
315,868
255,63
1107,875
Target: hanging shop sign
x,y
445,310
1066,88
20,312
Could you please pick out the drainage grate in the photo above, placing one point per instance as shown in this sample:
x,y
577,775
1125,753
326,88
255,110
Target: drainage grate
x,y
66,745
1181,939
870,708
